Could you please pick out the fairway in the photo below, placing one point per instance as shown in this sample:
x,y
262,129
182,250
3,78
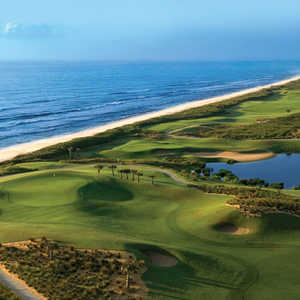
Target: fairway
x,y
76,206
284,103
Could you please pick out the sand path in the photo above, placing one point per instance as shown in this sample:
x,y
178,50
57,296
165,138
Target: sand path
x,y
18,286
11,152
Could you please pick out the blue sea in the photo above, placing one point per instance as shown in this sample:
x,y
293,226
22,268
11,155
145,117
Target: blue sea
x,y
45,99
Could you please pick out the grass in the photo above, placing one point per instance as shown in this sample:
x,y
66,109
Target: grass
x,y
69,202
281,104
89,211
152,149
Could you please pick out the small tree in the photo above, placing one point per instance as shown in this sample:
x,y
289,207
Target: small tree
x,y
152,178
70,150
113,167
139,174
206,172
126,172
276,185
77,152
126,269
133,172
99,168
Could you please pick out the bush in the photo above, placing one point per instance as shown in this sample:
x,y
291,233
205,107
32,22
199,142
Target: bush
x,y
79,272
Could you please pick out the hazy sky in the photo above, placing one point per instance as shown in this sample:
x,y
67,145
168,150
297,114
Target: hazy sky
x,y
150,29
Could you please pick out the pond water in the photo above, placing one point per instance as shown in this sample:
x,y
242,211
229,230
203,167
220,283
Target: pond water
x,y
281,168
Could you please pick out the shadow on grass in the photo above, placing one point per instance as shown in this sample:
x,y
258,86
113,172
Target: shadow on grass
x,y
279,223
186,279
164,282
99,198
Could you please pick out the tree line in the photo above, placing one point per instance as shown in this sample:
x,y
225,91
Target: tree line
x,y
127,173
228,177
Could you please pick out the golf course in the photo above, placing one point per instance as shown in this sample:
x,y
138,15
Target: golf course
x,y
147,189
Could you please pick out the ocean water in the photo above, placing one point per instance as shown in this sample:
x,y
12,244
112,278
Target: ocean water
x,y
45,99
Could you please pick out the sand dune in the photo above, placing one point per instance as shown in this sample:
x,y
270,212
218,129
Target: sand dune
x,y
11,152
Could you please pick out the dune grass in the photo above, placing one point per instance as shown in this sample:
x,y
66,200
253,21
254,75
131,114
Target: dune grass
x,y
79,207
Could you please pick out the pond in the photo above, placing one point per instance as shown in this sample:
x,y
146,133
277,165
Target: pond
x,y
281,168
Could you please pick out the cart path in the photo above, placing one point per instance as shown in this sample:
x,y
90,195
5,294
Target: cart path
x,y
18,286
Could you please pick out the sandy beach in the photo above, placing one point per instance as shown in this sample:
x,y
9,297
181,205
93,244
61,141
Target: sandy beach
x,y
24,148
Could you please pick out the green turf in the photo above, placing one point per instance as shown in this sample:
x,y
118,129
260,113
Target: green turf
x,y
77,206
71,203
288,102
145,148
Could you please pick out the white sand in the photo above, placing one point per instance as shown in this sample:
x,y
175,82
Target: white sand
x,y
11,152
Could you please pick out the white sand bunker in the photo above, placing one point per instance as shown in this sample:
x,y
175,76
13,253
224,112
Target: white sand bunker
x,y
229,228
161,260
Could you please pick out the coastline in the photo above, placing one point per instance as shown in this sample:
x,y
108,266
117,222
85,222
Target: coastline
x,y
25,148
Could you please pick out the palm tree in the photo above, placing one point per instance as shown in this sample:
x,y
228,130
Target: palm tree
x,y
152,177
51,247
99,168
133,172
70,149
139,175
77,151
126,269
112,169
127,171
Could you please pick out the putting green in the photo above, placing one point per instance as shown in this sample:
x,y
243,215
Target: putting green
x,y
49,189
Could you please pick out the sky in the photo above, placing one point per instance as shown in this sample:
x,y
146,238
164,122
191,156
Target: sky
x,y
150,30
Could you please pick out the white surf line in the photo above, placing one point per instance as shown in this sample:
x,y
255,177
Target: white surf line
x,y
20,288
25,148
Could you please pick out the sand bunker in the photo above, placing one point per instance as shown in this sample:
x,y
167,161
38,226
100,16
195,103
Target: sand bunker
x,y
235,155
161,260
229,228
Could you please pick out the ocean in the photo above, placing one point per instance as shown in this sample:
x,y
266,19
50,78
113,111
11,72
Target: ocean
x,y
46,99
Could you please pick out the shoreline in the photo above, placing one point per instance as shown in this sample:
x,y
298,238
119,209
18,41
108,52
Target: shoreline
x,y
29,147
